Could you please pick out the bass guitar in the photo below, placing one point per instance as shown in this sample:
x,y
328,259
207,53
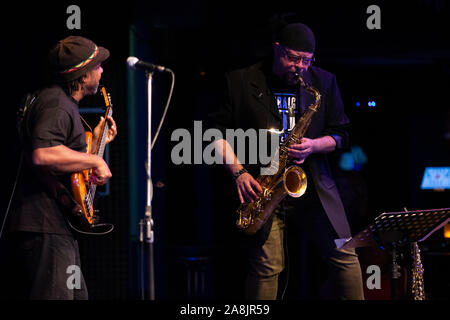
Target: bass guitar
x,y
83,191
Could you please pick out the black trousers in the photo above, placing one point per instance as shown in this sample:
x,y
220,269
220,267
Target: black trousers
x,y
43,266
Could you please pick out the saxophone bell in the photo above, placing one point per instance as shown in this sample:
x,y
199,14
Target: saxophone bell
x,y
295,181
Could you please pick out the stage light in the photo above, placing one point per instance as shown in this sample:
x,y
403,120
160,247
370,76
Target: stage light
x,y
353,160
358,104
447,231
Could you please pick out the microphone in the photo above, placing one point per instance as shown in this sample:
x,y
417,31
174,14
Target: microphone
x,y
135,63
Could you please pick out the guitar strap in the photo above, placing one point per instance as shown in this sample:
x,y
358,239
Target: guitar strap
x,y
26,102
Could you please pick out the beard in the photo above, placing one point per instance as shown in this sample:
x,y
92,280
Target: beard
x,y
91,88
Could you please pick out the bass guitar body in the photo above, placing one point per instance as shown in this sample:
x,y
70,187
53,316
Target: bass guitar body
x,y
80,191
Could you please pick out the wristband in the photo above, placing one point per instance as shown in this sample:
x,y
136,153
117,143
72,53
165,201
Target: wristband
x,y
237,174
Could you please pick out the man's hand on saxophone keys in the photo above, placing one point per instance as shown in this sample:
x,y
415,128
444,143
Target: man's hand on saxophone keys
x,y
299,152
247,187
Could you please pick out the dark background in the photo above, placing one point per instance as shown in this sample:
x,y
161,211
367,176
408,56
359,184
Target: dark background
x,y
404,67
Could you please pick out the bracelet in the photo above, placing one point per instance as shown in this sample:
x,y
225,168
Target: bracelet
x,y
237,174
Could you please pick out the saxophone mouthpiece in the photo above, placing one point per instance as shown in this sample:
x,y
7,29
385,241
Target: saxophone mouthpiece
x,y
298,75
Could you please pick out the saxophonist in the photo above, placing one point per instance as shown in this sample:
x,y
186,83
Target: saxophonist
x,y
268,95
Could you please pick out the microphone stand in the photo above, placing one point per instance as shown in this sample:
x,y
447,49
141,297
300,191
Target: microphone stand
x,y
146,223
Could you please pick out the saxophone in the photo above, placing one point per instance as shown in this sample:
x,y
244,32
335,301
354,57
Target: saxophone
x,y
286,181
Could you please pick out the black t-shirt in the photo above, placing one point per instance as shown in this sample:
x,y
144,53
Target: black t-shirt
x,y
287,98
53,120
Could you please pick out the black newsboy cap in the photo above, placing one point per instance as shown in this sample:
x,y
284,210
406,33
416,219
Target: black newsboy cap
x,y
73,56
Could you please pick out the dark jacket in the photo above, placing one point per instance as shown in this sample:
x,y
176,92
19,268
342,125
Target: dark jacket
x,y
249,103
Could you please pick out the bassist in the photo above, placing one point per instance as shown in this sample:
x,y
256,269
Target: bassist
x,y
42,245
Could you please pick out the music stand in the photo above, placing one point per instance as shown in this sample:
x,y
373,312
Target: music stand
x,y
396,229
407,226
